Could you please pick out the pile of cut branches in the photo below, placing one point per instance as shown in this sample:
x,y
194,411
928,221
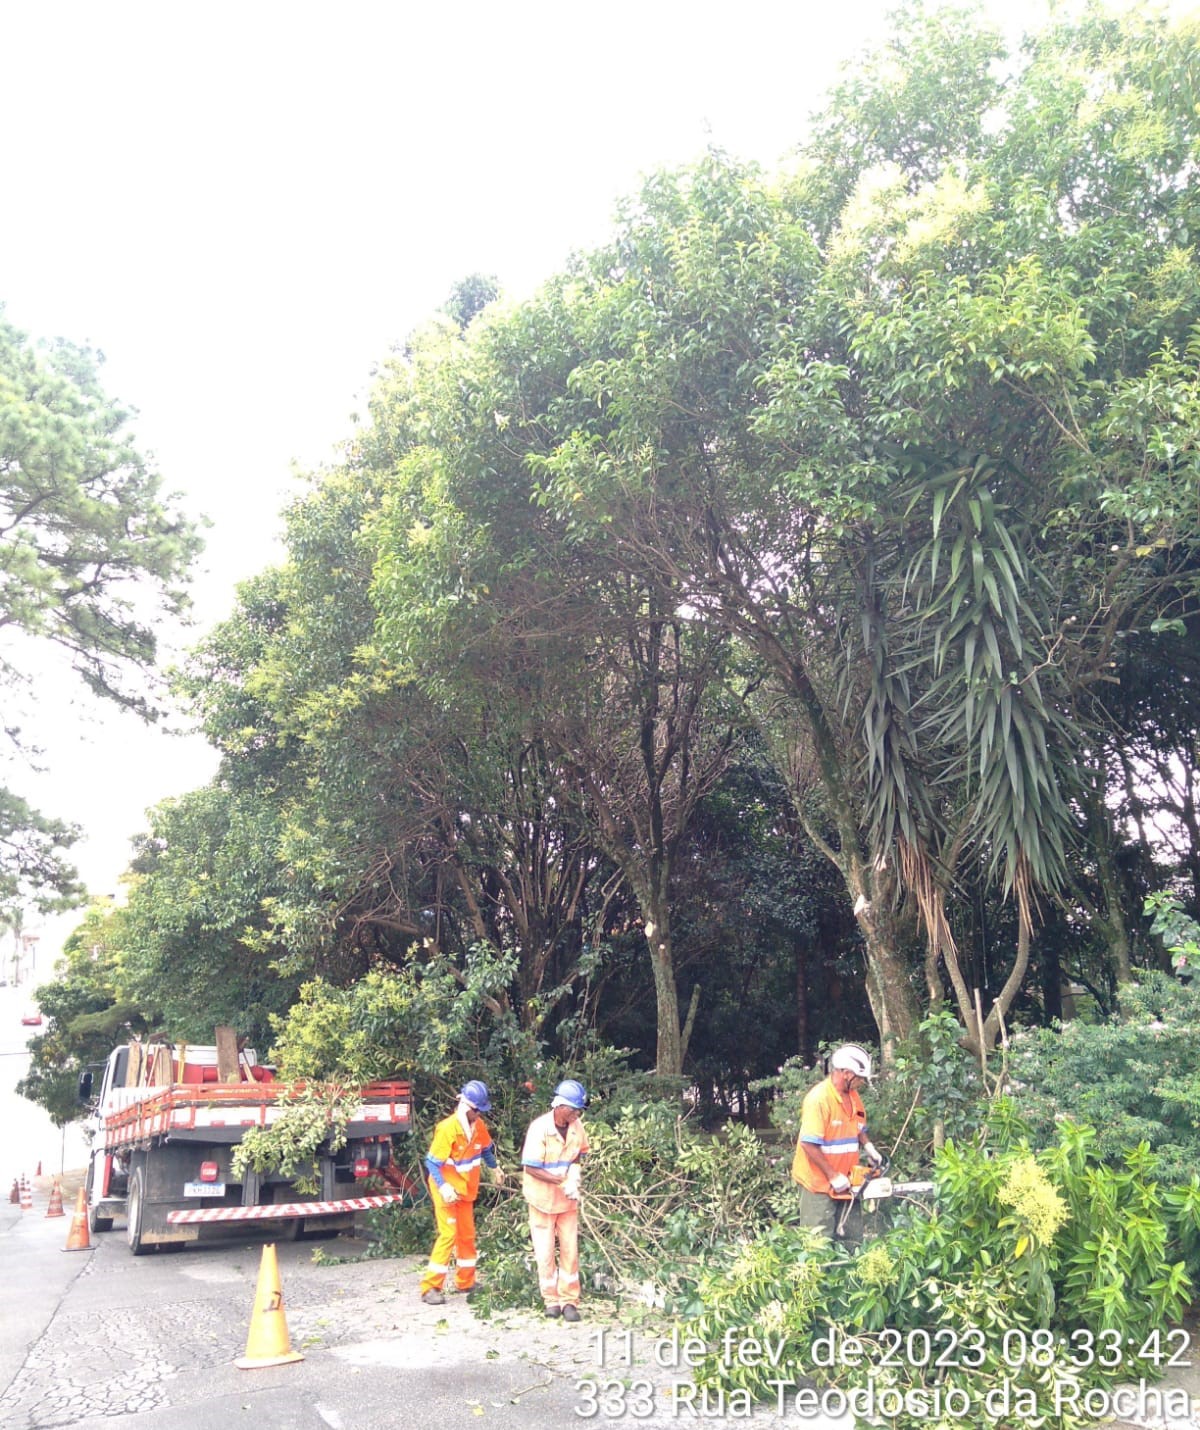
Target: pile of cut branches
x,y
662,1201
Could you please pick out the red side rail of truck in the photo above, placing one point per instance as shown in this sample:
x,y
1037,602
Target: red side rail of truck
x,y
185,1111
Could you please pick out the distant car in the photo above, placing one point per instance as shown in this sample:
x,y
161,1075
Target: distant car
x,y
32,1020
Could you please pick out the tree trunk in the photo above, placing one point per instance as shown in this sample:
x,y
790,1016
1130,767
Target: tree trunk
x,y
1052,1004
889,984
1112,925
993,1024
802,997
668,1061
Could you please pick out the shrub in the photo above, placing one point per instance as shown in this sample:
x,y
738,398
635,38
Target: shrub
x,y
661,1201
1031,1267
1134,1077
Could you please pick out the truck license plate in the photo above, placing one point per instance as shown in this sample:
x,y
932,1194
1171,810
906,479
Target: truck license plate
x,y
204,1189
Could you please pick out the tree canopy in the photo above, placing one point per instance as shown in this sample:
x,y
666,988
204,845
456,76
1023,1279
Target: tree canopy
x,y
92,553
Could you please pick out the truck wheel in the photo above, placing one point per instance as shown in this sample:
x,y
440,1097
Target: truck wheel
x,y
96,1223
135,1209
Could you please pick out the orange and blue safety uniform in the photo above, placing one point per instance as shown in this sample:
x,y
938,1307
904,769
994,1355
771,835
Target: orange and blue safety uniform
x,y
834,1122
553,1216
455,1154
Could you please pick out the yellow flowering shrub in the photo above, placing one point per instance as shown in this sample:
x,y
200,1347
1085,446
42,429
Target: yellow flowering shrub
x,y
1035,1202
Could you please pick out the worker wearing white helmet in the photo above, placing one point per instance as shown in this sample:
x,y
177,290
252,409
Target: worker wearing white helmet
x,y
833,1130
555,1145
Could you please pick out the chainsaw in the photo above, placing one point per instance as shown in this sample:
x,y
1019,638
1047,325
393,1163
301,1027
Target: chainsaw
x,y
872,1184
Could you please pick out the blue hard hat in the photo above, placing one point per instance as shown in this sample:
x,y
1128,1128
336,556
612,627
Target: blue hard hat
x,y
476,1094
570,1094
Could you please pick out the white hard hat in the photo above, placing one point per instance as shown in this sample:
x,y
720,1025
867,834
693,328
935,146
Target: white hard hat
x,y
853,1059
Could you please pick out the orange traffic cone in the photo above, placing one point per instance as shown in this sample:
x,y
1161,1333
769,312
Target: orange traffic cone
x,y
15,1195
77,1234
26,1195
38,1173
56,1207
268,1342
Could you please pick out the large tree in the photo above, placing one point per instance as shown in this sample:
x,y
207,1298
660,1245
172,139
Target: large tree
x,y
506,614
925,438
92,554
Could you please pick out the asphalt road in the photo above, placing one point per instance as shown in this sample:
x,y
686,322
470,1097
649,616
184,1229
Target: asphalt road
x,y
99,1338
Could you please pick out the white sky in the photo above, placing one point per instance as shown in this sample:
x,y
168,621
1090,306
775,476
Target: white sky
x,y
244,205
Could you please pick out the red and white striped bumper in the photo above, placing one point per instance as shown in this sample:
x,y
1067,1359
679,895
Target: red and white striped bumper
x,y
276,1211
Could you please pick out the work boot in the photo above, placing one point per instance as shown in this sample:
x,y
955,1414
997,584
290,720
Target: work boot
x,y
433,1298
554,1311
570,1313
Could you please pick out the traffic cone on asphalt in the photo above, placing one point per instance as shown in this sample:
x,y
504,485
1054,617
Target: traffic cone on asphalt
x,y
56,1207
26,1195
15,1195
77,1235
268,1342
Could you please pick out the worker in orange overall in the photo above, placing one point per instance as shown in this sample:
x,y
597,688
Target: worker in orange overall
x,y
461,1142
833,1130
550,1166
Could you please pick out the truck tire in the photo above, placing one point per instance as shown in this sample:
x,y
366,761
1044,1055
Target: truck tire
x,y
135,1211
96,1223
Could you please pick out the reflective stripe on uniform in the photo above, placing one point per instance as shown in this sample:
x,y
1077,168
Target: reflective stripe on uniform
x,y
830,1123
841,1144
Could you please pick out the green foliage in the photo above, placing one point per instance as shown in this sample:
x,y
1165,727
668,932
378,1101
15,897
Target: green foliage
x,y
33,870
418,1020
1116,1263
88,1009
885,460
1178,931
1025,1259
85,522
196,943
931,1091
661,1201
469,296
1135,1077
309,1118
90,551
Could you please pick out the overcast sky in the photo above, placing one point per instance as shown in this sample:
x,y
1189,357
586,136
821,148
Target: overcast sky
x,y
245,205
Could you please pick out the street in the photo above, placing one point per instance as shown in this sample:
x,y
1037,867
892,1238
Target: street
x,y
98,1337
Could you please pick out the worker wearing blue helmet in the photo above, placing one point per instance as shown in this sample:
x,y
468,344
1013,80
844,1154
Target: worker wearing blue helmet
x,y
550,1164
461,1143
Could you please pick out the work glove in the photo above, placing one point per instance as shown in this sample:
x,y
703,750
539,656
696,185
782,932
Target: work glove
x,y
873,1154
840,1183
571,1181
497,1176
449,1195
